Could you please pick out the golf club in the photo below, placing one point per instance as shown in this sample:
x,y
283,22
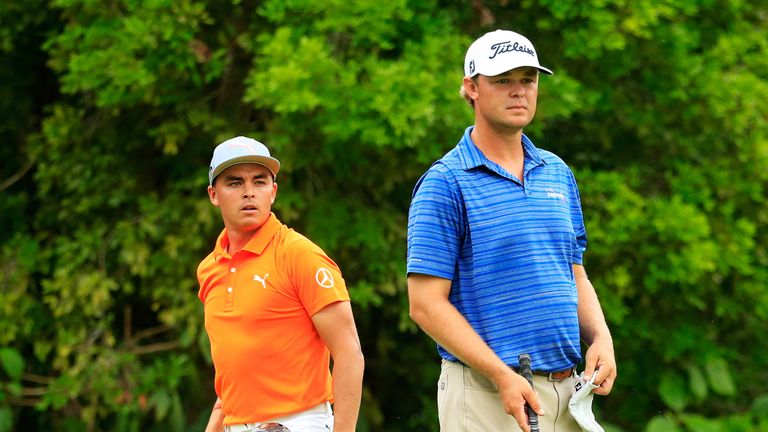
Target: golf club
x,y
525,370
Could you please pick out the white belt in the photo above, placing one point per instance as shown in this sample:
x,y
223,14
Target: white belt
x,y
323,408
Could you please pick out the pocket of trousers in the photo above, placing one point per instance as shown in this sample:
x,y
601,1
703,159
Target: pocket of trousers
x,y
474,380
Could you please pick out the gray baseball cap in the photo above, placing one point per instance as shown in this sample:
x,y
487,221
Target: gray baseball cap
x,y
499,51
239,150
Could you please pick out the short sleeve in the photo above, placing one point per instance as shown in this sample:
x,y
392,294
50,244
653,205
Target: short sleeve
x,y
436,225
316,277
577,219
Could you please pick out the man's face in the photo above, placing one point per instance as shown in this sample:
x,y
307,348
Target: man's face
x,y
506,101
244,193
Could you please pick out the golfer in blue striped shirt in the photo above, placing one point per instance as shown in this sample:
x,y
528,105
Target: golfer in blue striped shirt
x,y
495,244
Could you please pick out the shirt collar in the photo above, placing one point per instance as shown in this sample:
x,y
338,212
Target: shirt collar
x,y
256,244
471,156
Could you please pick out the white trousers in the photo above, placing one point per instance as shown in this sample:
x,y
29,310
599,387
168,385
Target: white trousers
x,y
316,419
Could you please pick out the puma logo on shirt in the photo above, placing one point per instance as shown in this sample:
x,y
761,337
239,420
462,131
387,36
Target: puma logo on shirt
x,y
261,280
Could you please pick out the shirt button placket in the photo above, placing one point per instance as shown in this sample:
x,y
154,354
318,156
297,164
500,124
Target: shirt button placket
x,y
230,288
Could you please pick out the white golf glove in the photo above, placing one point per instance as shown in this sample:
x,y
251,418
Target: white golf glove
x,y
580,404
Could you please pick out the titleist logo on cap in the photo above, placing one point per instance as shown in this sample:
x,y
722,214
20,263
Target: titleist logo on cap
x,y
503,47
485,57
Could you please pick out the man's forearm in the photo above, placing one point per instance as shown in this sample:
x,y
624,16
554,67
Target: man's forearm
x,y
216,420
591,319
594,331
347,390
434,313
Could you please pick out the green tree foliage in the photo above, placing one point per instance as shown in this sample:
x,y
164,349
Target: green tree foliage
x,y
110,111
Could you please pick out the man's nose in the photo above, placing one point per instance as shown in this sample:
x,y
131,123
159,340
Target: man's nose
x,y
249,191
517,90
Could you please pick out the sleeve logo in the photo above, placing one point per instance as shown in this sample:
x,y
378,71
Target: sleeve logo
x,y
324,277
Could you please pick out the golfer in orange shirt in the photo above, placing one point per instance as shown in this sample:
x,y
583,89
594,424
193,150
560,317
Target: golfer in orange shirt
x,y
276,310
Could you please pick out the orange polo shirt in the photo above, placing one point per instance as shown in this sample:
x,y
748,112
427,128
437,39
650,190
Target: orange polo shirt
x,y
269,359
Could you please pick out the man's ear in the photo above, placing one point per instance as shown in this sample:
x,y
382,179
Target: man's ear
x,y
212,196
470,87
274,193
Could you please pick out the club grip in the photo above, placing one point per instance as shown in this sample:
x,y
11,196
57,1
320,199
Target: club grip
x,y
524,361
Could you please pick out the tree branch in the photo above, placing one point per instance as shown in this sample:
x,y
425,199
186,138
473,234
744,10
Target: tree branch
x,y
37,379
160,346
13,400
148,333
16,177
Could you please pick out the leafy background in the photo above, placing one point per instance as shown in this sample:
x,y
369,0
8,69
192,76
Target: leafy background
x,y
110,111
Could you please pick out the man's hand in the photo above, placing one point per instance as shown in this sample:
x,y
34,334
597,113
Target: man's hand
x,y
515,392
600,356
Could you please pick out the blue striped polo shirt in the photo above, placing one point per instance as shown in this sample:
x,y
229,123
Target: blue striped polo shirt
x,y
507,247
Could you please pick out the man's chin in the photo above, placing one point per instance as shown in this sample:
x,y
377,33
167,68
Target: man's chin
x,y
251,223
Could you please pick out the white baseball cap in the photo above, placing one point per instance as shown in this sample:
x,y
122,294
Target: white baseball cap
x,y
499,51
240,150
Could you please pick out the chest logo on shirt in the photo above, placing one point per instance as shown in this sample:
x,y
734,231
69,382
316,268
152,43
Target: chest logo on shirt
x,y
261,280
552,193
324,277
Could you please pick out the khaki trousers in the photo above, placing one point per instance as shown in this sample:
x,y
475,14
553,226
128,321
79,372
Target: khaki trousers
x,y
469,402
